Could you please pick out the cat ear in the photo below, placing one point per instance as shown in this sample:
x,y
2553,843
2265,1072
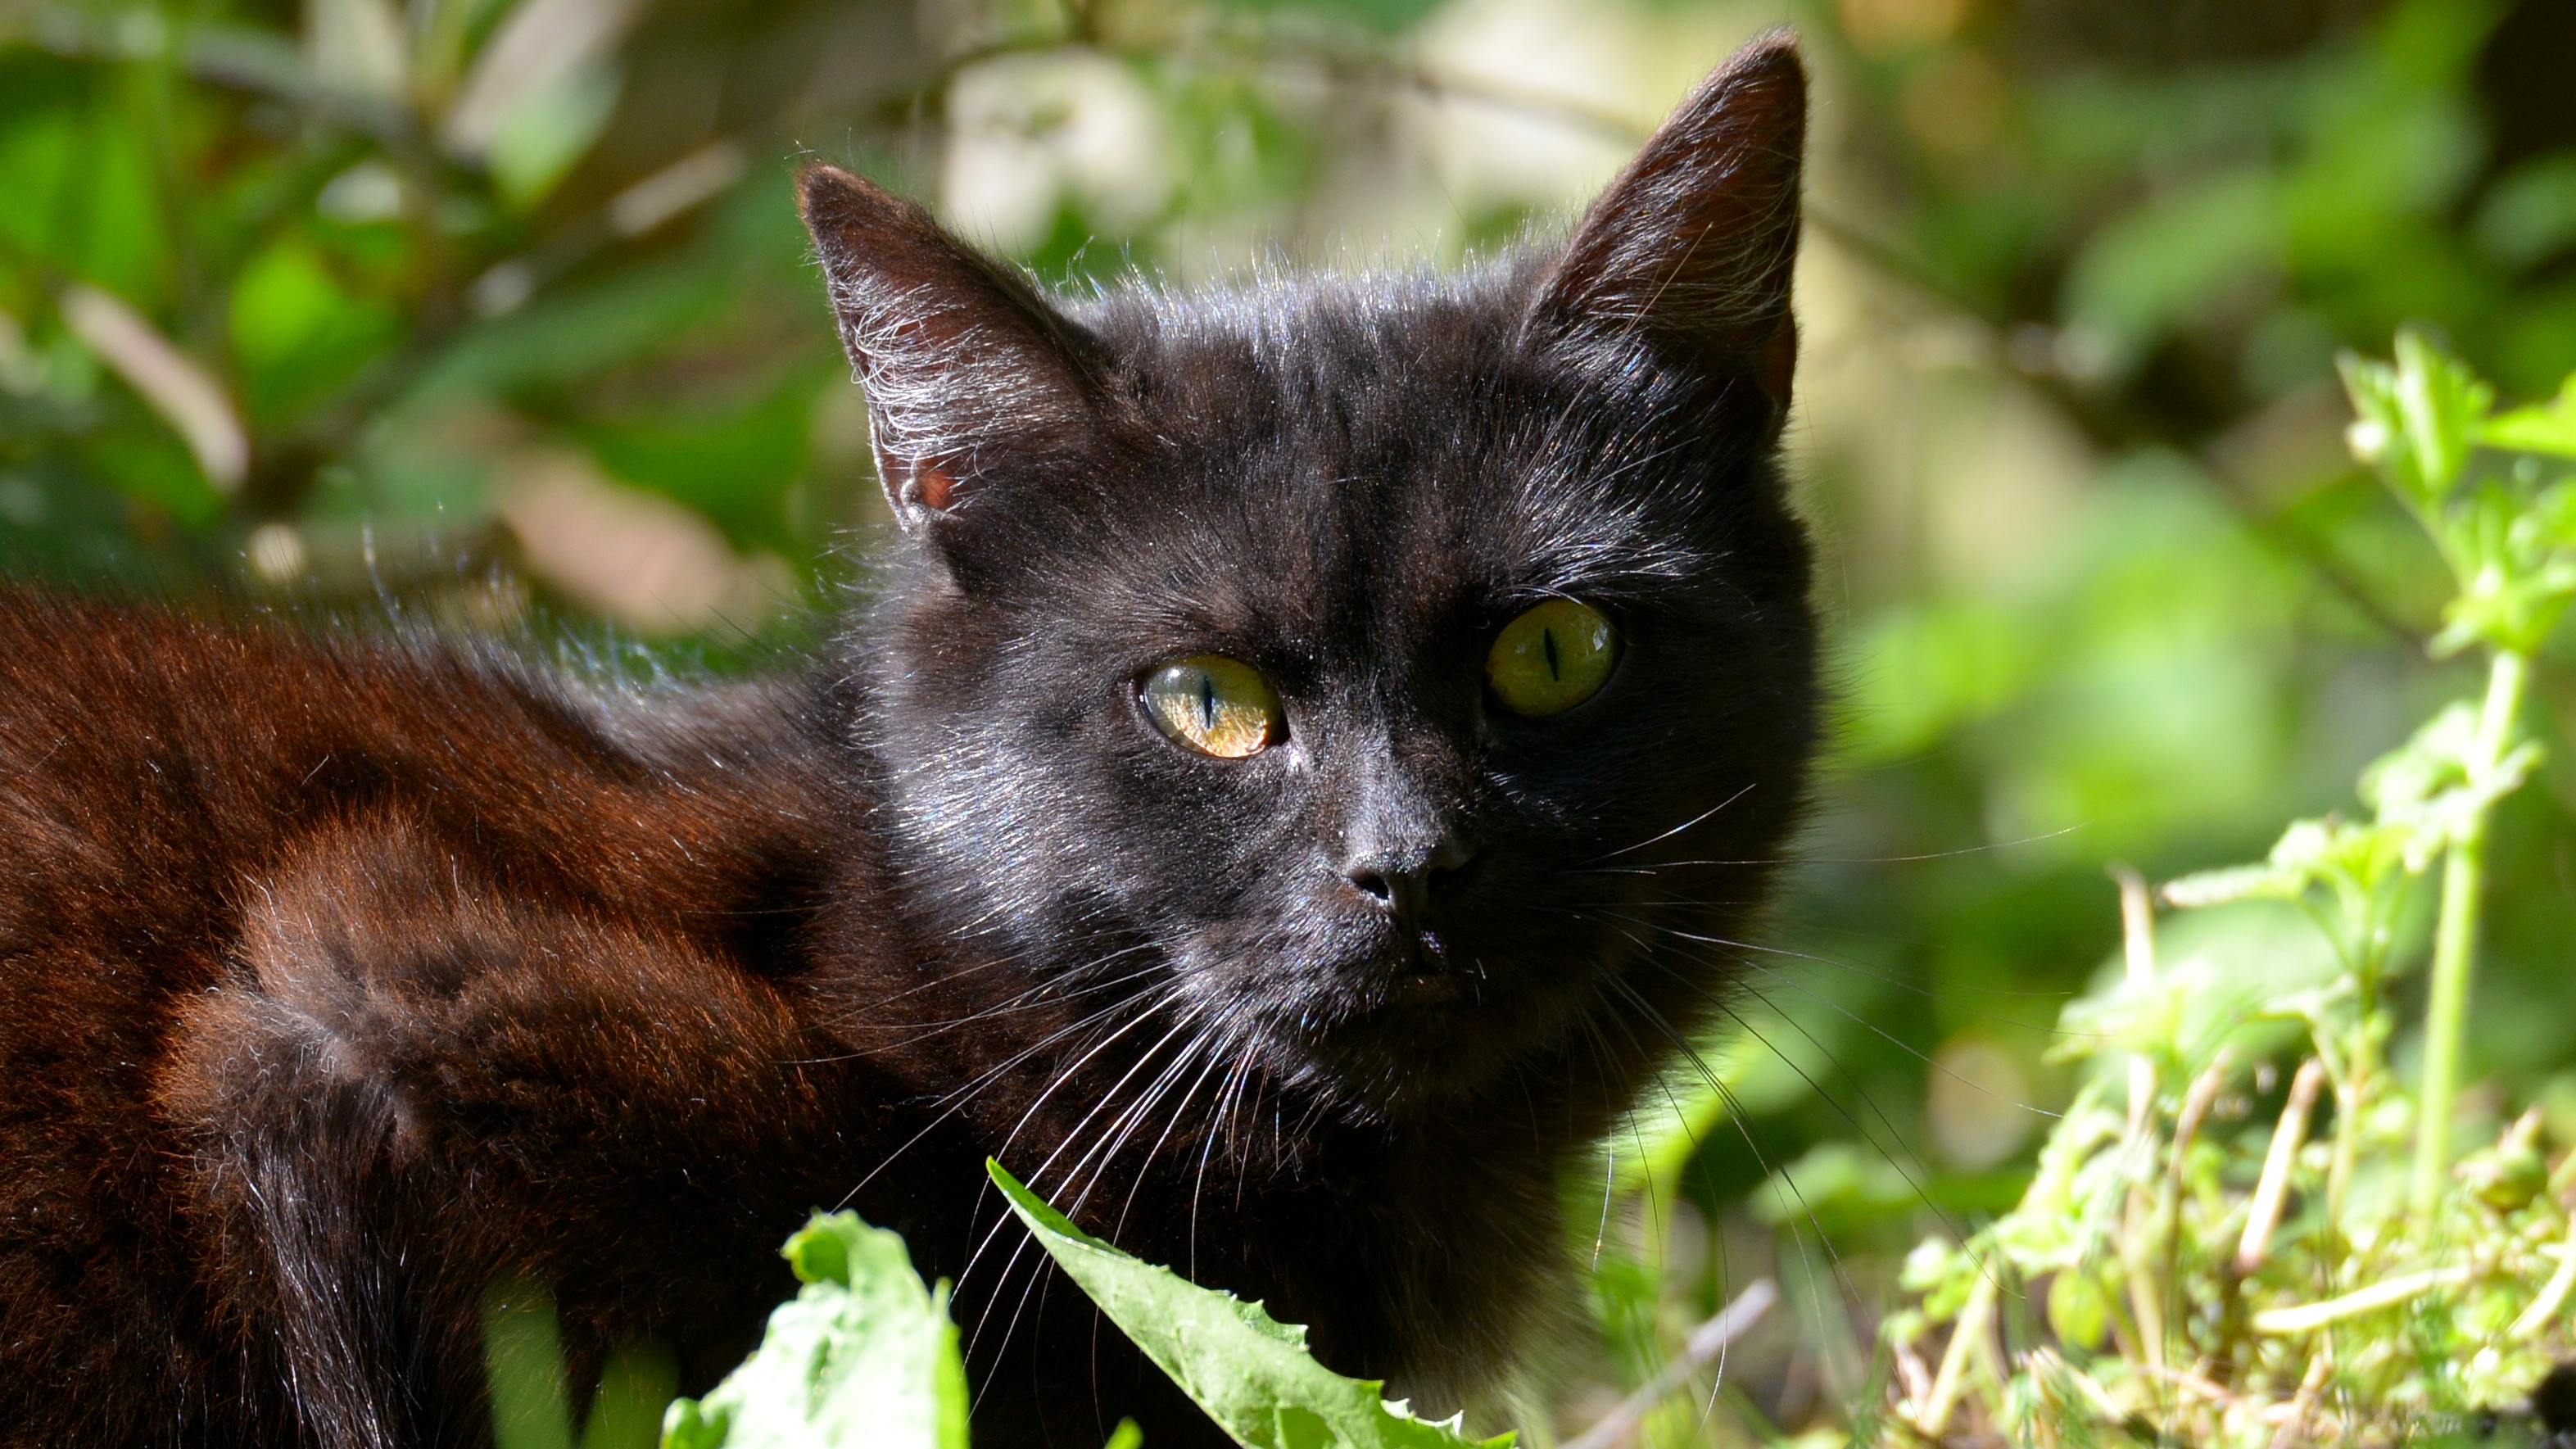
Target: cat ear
x,y
1690,249
963,362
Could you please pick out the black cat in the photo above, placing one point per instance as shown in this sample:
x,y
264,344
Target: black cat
x,y
1294,789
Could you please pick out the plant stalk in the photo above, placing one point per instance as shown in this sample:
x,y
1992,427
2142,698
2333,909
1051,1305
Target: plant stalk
x,y
2455,939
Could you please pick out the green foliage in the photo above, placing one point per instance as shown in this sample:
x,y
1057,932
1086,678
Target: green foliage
x,y
531,1403
1250,1372
2164,1237
2541,428
2511,549
864,1355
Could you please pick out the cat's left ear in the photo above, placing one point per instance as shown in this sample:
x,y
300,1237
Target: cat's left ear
x,y
1690,250
963,362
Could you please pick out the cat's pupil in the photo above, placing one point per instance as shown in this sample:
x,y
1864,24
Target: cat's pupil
x,y
1207,703
1547,643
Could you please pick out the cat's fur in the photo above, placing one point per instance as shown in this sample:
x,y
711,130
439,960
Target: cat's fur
x,y
341,978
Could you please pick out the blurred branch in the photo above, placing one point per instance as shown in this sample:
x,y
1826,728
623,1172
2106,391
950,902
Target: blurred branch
x,y
1699,1350
229,57
183,393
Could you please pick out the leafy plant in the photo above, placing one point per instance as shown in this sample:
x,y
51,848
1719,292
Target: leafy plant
x,y
2225,1285
864,1356
1250,1372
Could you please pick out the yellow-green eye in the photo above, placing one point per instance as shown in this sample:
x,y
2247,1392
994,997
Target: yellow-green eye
x,y
1214,705
1552,658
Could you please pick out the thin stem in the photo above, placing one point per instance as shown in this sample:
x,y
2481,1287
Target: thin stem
x,y
1976,1320
2138,940
2263,1214
1699,1350
2386,1293
2361,1068
2347,1155
2455,938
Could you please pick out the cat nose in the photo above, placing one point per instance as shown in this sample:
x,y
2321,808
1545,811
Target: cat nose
x,y
1404,883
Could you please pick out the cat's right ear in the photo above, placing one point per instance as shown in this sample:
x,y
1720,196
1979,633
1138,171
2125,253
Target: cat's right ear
x,y
963,362
1689,252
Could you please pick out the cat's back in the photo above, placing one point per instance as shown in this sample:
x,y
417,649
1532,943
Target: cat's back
x,y
152,763
178,797
149,765
161,775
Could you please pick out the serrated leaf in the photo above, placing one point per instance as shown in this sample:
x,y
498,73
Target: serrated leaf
x,y
864,1357
1250,1372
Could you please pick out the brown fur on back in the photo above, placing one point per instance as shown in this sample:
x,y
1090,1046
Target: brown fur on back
x,y
325,952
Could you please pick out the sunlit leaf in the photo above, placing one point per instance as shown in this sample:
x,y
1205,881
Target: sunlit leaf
x,y
2419,418
864,1357
2548,427
1250,1372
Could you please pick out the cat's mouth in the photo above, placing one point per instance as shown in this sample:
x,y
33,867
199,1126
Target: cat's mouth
x,y
1427,1006
1416,989
1414,1015
1417,970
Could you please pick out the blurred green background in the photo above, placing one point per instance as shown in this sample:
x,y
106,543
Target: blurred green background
x,y
494,315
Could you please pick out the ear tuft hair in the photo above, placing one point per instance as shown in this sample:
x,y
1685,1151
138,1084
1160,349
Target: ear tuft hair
x,y
962,360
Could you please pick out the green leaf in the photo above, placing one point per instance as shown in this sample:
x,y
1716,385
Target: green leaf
x,y
149,465
2234,883
2530,213
578,333
2419,419
77,185
2436,786
735,468
1838,1186
1250,1372
2172,260
1386,17
2548,427
40,159
863,1357
636,1386
549,130
298,334
2079,1308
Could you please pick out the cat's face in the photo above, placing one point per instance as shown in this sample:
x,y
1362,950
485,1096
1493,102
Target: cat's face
x,y
1384,683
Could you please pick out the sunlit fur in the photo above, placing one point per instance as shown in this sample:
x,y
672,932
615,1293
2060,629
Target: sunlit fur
x,y
338,978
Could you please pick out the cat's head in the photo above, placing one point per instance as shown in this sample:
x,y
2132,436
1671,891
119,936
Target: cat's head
x,y
1385,682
